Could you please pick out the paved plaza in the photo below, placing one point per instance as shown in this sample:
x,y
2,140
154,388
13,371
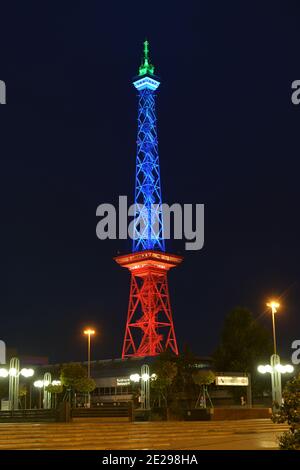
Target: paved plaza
x,y
110,435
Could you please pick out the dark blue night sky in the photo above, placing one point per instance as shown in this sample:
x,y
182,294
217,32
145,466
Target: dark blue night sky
x,y
228,138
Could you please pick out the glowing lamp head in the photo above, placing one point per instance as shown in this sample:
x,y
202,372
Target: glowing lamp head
x,y
89,332
262,369
27,372
134,377
56,382
273,305
287,369
13,372
145,377
3,373
38,383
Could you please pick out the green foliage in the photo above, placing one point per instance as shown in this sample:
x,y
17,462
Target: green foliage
x,y
85,385
186,362
290,412
74,376
165,371
71,374
244,343
22,391
54,389
203,377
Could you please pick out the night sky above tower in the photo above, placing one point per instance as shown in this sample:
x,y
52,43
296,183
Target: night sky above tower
x,y
228,138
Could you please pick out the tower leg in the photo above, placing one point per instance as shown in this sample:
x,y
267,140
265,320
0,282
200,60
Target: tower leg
x,y
149,327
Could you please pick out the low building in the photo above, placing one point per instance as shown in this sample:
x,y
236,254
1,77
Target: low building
x,y
112,377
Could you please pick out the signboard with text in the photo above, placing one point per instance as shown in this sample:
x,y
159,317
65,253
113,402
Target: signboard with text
x,y
235,381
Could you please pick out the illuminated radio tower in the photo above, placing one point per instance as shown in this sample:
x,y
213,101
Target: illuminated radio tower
x,y
149,327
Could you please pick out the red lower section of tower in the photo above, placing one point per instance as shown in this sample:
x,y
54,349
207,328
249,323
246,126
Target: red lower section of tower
x,y
149,327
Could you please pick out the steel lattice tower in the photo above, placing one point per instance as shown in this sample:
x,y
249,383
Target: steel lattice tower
x,y
149,327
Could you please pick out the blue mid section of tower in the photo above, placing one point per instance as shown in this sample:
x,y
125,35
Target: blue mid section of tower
x,y
148,223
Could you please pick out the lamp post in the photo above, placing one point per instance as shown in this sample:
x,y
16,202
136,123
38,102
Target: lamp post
x,y
89,332
274,306
39,384
275,360
145,378
42,384
276,369
13,373
47,395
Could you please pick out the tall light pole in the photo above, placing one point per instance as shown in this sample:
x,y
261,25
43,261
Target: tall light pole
x,y
89,332
274,306
275,360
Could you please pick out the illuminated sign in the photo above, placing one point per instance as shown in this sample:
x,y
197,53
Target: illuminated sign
x,y
235,381
123,381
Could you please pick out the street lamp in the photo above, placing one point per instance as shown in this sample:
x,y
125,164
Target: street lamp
x,y
274,368
89,332
13,374
39,384
145,378
287,369
42,384
274,306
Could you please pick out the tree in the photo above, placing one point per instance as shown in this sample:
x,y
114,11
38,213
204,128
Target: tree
x,y
74,378
186,363
23,393
165,371
71,374
244,344
54,390
85,385
203,378
290,412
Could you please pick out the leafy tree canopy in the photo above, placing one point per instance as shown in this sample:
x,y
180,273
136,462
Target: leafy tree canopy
x,y
290,412
85,385
54,388
244,343
203,377
71,374
165,372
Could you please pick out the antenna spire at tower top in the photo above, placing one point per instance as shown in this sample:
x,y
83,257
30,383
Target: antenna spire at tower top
x,y
146,67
